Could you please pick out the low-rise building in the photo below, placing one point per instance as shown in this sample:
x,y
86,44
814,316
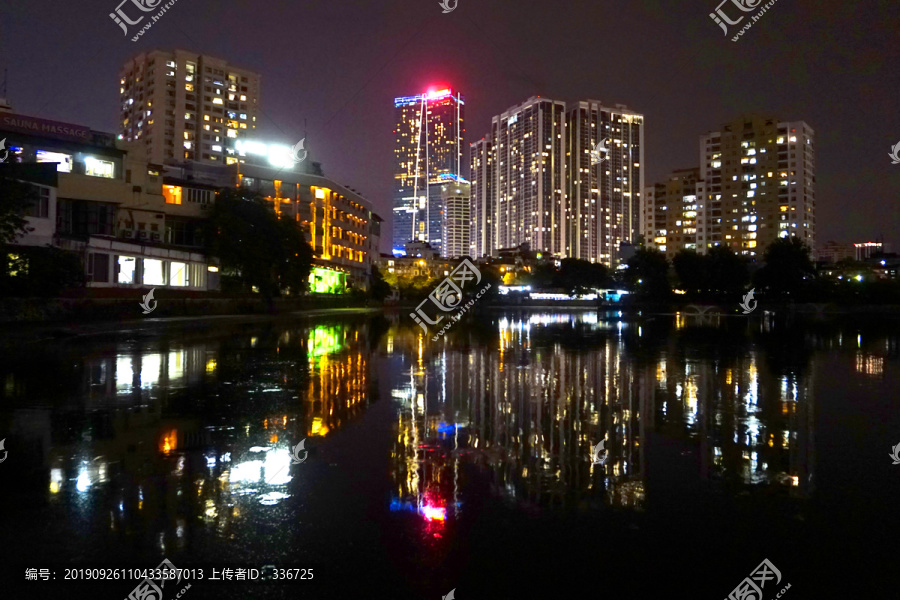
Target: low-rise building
x,y
100,202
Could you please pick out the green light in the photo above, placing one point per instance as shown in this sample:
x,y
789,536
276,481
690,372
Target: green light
x,y
326,281
325,340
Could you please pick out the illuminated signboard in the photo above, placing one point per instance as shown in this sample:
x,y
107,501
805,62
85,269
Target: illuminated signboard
x,y
43,127
431,95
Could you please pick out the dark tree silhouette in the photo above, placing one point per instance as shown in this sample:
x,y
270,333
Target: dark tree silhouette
x,y
255,247
788,269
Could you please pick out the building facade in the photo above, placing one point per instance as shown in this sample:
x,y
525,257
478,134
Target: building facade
x,y
603,199
101,202
760,184
339,223
456,222
524,179
481,169
429,130
186,106
672,218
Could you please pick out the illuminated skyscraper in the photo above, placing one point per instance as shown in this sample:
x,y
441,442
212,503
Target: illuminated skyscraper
x,y
482,217
185,106
456,209
760,184
429,135
518,177
604,199
533,180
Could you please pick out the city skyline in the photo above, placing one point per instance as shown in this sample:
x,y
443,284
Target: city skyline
x,y
352,145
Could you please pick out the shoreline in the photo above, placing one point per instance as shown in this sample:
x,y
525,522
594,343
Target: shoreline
x,y
14,333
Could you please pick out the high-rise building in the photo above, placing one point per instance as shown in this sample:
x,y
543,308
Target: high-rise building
x,y
481,170
760,184
604,199
429,135
519,176
186,106
672,219
456,202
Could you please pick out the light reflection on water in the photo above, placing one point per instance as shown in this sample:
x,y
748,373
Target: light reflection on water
x,y
150,433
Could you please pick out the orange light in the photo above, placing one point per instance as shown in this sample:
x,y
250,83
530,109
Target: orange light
x,y
169,441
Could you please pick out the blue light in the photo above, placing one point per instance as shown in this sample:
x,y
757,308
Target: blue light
x,y
447,428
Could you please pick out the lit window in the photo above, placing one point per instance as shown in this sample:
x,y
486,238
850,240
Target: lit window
x,y
178,274
153,272
64,160
172,193
127,266
217,101
99,168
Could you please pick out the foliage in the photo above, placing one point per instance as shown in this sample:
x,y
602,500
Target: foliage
x,y
719,274
577,275
380,289
255,247
648,274
15,197
788,270
30,271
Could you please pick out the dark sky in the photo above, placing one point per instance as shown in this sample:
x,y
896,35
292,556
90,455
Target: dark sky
x,y
339,64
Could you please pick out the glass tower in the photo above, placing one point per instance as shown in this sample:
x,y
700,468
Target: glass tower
x,y
429,135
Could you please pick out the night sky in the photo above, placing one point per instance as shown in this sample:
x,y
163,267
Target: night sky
x,y
339,64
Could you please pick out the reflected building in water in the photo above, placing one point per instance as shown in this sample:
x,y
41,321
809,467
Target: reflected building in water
x,y
204,430
530,408
530,414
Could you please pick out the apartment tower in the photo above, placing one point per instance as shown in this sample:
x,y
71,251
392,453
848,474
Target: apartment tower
x,y
760,183
186,106
519,180
604,199
481,174
673,219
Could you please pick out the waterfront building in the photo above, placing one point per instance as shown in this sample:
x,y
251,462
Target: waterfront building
x,y
603,198
419,259
429,130
760,184
339,223
103,203
535,180
186,106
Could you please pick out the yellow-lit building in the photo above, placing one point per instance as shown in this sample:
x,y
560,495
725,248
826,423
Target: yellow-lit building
x,y
339,223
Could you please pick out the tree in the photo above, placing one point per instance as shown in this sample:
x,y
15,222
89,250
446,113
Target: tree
x,y
380,288
15,198
255,247
576,274
717,275
728,272
40,272
692,272
648,274
788,268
